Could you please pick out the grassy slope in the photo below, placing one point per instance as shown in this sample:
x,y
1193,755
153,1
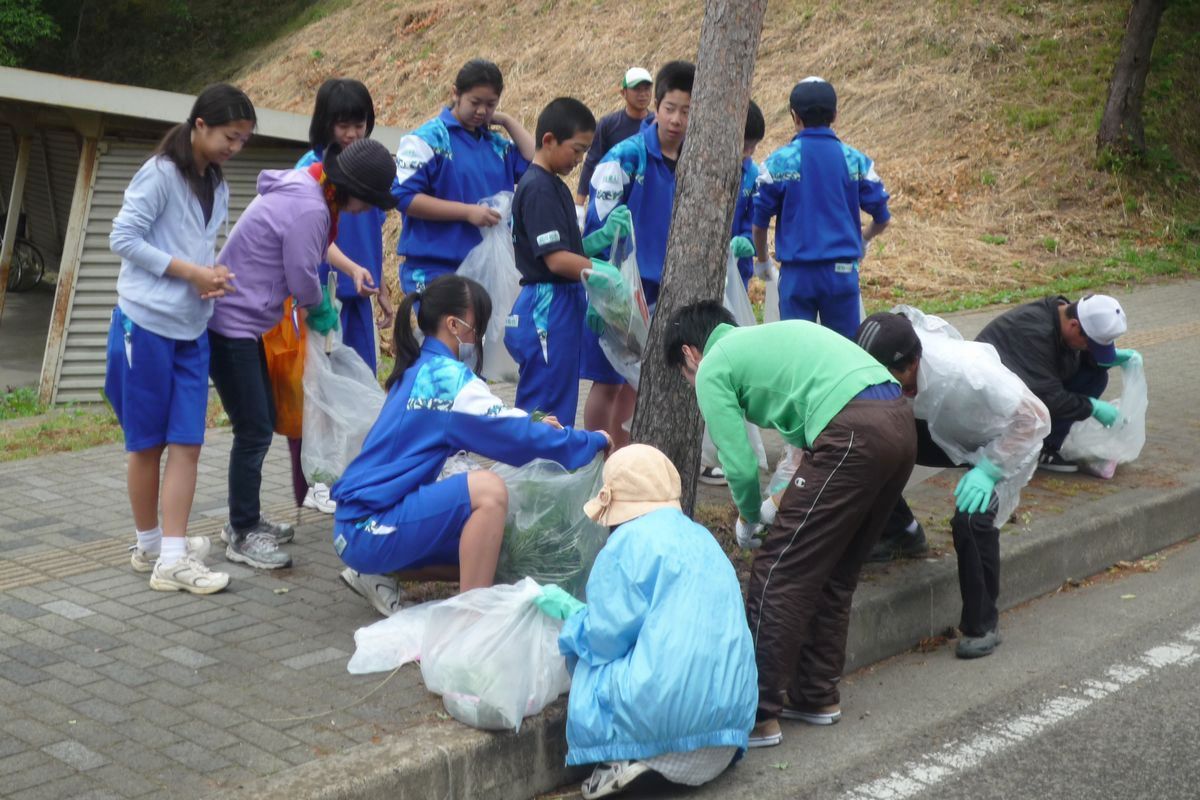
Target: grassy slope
x,y
980,115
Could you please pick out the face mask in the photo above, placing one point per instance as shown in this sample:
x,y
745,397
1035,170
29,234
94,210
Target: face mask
x,y
466,350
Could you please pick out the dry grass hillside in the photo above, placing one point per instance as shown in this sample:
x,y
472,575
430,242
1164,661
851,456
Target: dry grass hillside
x,y
980,115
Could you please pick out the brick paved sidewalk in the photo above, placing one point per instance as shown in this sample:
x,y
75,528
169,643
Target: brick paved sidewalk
x,y
109,689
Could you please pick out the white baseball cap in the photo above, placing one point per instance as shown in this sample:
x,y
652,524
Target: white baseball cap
x,y
1102,320
635,76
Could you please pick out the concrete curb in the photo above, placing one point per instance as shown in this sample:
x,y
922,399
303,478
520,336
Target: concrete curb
x,y
448,760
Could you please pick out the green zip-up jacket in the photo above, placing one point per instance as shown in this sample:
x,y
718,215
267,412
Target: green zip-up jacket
x,y
792,376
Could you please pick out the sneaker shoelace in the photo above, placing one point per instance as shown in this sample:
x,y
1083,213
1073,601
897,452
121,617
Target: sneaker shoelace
x,y
261,540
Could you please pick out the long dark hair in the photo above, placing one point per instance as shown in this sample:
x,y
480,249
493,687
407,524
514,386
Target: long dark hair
x,y
478,72
339,100
219,104
447,296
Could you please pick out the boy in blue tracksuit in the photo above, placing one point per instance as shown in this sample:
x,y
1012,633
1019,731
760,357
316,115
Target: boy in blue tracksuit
x,y
546,322
446,166
743,207
393,514
816,186
638,173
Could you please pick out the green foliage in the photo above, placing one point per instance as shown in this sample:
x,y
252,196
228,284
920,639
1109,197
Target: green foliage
x,y
991,238
987,178
1050,244
22,402
23,25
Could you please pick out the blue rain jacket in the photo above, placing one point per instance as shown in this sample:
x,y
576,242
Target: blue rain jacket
x,y
661,657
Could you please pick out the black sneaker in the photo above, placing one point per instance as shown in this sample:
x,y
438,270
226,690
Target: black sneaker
x,y
978,646
1052,461
906,545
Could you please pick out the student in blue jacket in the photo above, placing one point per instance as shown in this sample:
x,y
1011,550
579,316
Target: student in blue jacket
x,y
156,376
446,166
639,174
343,114
652,690
743,207
393,514
816,185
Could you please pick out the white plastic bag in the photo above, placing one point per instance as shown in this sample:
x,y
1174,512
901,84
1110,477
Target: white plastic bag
x,y
771,295
737,301
708,450
342,399
493,656
392,642
626,315
492,264
1089,441
547,536
789,462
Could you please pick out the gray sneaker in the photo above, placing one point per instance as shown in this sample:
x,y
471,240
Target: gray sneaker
x,y
281,532
381,591
977,646
258,549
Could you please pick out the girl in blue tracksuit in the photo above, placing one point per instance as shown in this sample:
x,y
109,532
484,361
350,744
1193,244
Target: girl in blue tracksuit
x,y
393,514
446,166
156,376
344,113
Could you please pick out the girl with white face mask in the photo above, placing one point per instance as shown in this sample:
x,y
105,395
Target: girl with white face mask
x,y
395,520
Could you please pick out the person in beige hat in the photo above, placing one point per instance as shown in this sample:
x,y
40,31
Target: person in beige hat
x,y
652,690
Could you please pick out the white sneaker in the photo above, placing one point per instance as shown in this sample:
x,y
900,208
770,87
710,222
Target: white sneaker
x,y
318,498
144,560
381,591
187,575
610,777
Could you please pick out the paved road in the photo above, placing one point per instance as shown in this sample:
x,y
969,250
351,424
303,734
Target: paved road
x,y
1094,694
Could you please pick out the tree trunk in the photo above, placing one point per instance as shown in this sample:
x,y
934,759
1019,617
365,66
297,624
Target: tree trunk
x,y
1121,129
697,248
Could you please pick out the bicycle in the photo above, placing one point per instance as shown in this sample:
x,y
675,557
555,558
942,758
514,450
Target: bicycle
x,y
28,266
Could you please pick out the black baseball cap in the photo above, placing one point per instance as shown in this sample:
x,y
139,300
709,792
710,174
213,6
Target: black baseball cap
x,y
813,93
889,338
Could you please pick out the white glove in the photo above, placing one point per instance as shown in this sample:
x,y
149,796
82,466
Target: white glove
x,y
768,510
766,270
749,534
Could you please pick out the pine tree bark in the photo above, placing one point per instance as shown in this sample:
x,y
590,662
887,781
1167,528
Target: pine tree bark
x,y
1121,128
708,177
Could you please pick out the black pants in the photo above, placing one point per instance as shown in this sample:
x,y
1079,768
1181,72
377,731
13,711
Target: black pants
x,y
238,368
805,573
976,543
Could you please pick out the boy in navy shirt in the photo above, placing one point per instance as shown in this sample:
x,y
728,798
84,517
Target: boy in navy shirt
x,y
638,173
546,322
818,235
637,89
743,207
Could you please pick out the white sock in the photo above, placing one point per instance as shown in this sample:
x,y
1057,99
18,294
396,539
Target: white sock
x,y
912,527
173,549
148,541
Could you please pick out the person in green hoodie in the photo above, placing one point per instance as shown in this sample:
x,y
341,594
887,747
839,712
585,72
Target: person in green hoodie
x,y
828,397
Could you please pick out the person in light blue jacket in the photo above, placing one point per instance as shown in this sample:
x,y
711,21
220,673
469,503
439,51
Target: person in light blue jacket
x,y
663,671
156,376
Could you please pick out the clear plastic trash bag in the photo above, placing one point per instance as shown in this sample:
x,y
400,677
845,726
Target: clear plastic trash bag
x,y
547,537
391,642
492,264
626,315
789,462
1091,442
771,295
493,656
342,399
737,301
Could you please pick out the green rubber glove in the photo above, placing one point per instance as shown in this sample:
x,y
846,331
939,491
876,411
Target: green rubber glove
x,y
974,491
618,221
741,247
556,603
604,278
323,317
595,322
1105,413
1126,355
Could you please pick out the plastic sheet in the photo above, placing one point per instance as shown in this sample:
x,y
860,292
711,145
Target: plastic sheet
x,y
493,265
547,537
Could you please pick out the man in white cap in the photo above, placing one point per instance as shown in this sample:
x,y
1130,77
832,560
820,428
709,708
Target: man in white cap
x,y
1063,350
636,88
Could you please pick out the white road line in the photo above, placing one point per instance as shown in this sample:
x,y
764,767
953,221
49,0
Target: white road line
x,y
957,757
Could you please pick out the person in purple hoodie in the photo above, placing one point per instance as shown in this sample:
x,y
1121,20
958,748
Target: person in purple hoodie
x,y
275,250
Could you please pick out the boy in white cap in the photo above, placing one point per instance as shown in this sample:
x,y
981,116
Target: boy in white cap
x,y
1063,350
652,691
636,89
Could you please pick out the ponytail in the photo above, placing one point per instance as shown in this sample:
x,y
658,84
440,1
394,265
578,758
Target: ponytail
x,y
447,296
219,104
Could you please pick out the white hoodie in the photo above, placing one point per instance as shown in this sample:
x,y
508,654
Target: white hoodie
x,y
160,219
